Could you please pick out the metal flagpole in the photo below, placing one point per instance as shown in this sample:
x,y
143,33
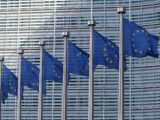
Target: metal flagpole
x,y
20,52
65,76
40,99
1,73
91,24
121,11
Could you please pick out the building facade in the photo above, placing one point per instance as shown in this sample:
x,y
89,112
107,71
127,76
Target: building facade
x,y
23,23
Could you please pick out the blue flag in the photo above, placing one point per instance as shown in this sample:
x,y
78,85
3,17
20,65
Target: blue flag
x,y
138,42
30,76
105,52
53,69
9,83
78,62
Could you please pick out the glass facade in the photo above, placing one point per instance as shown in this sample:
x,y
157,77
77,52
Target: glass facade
x,y
23,23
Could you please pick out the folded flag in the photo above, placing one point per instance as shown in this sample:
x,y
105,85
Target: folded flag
x,y
138,42
9,83
105,52
30,76
78,60
53,69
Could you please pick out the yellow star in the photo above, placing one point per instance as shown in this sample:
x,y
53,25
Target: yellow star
x,y
136,50
149,49
107,59
140,52
110,61
116,55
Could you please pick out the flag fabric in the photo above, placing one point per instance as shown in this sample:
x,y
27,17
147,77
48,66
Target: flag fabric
x,y
78,60
105,52
30,76
53,69
9,83
138,42
154,45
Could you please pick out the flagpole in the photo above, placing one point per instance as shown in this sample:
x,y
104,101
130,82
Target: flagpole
x,y
91,24
65,76
1,73
20,52
40,97
121,11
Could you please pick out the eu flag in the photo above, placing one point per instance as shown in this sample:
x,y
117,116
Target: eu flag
x,y
30,75
77,60
138,42
9,83
53,69
105,52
